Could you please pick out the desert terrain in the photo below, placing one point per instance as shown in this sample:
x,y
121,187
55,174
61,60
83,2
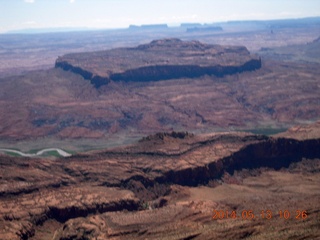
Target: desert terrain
x,y
168,186
208,134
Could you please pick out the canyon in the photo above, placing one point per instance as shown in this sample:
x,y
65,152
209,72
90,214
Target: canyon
x,y
140,190
163,133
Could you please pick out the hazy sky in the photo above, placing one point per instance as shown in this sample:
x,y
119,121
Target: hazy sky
x,y
25,14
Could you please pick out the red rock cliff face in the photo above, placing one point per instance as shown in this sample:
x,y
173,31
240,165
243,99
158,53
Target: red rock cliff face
x,y
160,60
125,177
272,153
157,73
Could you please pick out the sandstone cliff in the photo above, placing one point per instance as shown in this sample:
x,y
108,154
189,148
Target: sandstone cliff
x,y
159,60
83,194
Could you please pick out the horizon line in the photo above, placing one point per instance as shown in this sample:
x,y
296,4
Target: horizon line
x,y
169,25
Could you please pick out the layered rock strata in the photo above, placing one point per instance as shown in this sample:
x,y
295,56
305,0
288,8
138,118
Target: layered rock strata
x,y
159,60
77,191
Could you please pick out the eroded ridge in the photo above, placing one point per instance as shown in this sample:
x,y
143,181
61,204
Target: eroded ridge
x,y
83,194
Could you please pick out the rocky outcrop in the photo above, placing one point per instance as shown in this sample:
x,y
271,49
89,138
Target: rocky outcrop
x,y
159,60
156,73
130,179
302,132
60,204
163,136
97,81
272,153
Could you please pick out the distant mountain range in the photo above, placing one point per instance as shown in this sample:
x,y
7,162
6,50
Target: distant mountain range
x,y
276,23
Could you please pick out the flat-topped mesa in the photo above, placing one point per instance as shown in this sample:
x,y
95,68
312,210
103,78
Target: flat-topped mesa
x,y
159,60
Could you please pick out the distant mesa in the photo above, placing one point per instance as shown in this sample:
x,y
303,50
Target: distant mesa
x,y
148,27
198,27
159,60
190,25
204,29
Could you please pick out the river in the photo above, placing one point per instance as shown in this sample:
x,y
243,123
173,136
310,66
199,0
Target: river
x,y
39,153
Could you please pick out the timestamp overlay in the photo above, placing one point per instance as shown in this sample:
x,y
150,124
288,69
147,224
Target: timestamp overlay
x,y
266,214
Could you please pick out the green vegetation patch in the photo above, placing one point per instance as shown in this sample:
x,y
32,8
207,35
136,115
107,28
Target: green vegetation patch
x,y
266,131
12,154
53,153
